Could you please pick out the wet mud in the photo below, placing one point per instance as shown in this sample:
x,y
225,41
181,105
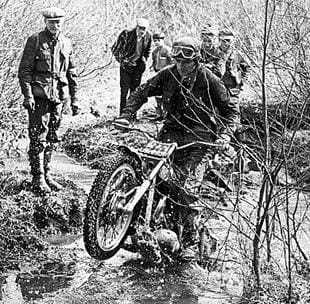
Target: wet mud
x,y
73,277
66,274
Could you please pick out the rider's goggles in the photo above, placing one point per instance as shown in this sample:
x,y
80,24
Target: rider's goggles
x,y
226,40
183,51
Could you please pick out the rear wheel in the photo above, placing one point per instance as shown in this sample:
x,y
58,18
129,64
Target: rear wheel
x,y
106,221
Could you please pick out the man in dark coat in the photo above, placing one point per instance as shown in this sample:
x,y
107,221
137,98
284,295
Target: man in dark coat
x,y
47,80
198,108
132,50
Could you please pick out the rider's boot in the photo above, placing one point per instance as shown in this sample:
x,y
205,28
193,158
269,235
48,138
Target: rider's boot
x,y
191,236
188,264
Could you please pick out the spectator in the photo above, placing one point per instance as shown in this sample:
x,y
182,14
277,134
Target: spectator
x,y
47,78
132,50
210,56
236,68
160,58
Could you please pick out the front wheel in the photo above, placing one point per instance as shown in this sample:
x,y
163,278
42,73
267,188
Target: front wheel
x,y
106,221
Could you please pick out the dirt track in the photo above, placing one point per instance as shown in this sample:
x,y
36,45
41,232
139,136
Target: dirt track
x,y
66,274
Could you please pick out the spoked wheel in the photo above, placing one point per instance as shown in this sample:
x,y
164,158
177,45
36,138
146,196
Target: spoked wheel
x,y
106,220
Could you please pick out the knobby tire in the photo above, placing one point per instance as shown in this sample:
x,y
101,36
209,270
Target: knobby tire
x,y
110,165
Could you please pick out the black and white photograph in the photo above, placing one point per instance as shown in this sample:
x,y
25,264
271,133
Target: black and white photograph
x,y
155,152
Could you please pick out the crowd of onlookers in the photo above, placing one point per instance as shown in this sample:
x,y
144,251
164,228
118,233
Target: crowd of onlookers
x,y
217,53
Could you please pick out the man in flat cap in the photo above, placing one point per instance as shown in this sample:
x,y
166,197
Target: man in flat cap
x,y
47,78
132,50
236,67
211,57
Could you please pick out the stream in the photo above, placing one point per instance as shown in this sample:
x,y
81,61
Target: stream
x,y
73,277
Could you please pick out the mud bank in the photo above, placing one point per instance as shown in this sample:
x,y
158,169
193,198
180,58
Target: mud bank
x,y
64,273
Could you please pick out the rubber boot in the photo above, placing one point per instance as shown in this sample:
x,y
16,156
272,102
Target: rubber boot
x,y
47,169
190,235
38,185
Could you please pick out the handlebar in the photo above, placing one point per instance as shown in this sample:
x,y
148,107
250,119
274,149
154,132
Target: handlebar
x,y
203,143
130,127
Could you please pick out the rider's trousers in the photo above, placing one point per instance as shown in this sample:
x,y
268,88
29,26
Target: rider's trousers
x,y
189,169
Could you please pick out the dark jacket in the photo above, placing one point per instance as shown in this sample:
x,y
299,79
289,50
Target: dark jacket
x,y
205,104
125,46
214,60
47,68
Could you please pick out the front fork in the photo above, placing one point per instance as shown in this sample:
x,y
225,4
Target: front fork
x,y
147,185
149,204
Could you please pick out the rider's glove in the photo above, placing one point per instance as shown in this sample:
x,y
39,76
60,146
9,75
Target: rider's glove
x,y
121,123
29,103
223,142
75,110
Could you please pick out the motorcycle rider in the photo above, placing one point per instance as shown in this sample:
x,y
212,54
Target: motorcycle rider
x,y
198,108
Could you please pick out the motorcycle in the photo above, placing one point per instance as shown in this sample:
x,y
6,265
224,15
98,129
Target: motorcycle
x,y
125,209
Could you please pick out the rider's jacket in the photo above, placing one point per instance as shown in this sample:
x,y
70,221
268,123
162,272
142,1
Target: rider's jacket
x,y
200,100
47,69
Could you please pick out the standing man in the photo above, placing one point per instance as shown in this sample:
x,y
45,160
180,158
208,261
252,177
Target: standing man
x,y
211,57
47,80
236,68
132,50
161,57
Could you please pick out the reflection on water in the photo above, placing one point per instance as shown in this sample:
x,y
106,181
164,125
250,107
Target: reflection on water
x,y
170,293
2,283
130,282
25,286
181,285
70,169
126,283
49,278
9,290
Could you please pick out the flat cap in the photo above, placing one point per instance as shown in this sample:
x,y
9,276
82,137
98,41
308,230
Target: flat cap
x,y
142,22
226,32
54,13
158,35
207,31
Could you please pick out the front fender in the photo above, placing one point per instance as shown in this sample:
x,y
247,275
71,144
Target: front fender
x,y
131,152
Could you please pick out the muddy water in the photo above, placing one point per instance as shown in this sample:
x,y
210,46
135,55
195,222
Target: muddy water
x,y
68,275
